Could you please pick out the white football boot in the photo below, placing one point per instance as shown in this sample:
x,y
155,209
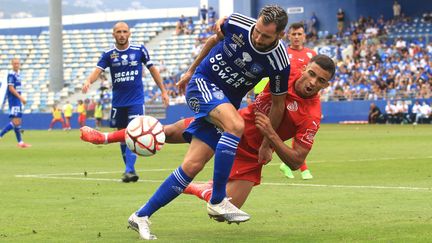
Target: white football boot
x,y
226,211
142,226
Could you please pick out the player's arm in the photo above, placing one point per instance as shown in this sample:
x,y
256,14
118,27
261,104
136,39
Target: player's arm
x,y
209,44
158,80
91,79
293,157
16,94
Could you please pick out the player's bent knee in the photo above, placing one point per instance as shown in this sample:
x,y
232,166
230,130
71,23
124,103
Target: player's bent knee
x,y
192,168
236,127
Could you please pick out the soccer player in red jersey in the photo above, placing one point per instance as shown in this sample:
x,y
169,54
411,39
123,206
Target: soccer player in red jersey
x,y
301,121
299,56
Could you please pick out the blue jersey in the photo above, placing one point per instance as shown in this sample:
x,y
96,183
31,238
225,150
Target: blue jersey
x,y
126,73
235,66
14,79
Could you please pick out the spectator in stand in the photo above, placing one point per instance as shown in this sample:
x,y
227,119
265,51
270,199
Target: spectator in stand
x,y
313,25
180,25
190,27
203,14
375,115
211,16
396,10
340,16
162,67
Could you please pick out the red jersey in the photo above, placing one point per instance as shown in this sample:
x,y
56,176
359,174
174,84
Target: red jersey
x,y
299,58
301,120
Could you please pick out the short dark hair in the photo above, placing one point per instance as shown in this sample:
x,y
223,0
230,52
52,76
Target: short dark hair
x,y
325,63
296,26
274,14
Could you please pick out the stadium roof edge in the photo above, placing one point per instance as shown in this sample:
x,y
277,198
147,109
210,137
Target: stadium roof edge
x,y
78,19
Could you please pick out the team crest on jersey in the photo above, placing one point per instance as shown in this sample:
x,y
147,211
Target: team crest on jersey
x,y
309,136
290,56
193,103
292,106
132,56
309,54
256,68
238,39
218,95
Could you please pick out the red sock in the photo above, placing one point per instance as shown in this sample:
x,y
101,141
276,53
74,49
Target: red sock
x,y
303,167
117,136
202,191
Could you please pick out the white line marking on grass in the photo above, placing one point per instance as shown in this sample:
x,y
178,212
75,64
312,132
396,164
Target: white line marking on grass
x,y
94,173
361,160
265,183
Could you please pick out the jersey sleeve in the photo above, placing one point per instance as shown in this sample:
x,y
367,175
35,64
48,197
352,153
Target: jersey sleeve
x,y
103,61
10,80
146,57
280,71
305,135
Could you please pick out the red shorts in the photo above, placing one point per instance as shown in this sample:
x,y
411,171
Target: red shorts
x,y
247,170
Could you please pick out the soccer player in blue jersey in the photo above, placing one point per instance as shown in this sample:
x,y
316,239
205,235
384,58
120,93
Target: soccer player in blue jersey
x,y
16,101
126,61
232,61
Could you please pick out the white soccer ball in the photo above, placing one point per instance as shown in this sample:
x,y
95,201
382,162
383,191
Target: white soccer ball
x,y
145,136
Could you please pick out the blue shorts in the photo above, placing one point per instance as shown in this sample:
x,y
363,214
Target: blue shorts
x,y
121,116
204,131
15,111
202,96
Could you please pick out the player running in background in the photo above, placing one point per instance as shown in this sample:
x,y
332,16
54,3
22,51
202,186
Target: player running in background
x,y
299,56
67,111
301,122
16,101
125,62
57,117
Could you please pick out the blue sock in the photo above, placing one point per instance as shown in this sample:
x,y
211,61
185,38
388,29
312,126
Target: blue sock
x,y
18,133
123,151
223,161
168,191
130,160
9,127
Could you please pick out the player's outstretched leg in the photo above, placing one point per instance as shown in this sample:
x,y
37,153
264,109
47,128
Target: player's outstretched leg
x,y
142,226
202,190
93,136
286,170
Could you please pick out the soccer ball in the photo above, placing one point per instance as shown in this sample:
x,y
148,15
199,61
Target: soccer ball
x,y
145,136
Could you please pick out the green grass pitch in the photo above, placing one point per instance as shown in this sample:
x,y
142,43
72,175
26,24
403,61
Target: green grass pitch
x,y
371,183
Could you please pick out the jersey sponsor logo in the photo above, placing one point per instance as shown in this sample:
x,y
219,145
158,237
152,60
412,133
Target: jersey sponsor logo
x,y
125,76
256,68
114,55
125,59
233,46
278,83
194,104
309,136
246,57
227,51
301,59
226,73
116,64
218,95
292,106
238,39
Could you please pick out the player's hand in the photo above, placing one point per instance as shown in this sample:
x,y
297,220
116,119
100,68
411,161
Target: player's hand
x,y
262,122
23,101
184,80
265,154
86,87
165,99
217,27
